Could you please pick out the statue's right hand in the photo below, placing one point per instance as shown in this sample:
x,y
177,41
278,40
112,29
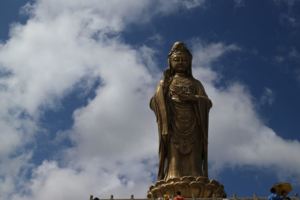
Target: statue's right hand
x,y
175,98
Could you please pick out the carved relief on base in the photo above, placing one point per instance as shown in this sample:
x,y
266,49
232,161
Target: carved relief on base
x,y
198,187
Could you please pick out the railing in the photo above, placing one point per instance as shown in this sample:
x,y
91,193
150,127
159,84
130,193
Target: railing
x,y
234,197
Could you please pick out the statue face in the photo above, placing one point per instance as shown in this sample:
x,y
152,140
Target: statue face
x,y
180,62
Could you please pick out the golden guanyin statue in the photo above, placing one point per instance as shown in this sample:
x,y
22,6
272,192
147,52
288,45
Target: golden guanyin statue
x,y
181,106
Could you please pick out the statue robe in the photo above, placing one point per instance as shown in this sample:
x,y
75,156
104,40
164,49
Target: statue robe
x,y
162,106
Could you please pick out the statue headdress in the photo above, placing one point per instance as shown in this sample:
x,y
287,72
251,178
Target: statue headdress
x,y
179,47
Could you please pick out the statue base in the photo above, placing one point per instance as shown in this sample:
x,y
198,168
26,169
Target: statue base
x,y
197,187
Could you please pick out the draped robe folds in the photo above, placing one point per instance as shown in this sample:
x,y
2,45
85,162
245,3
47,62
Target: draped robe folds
x,y
161,105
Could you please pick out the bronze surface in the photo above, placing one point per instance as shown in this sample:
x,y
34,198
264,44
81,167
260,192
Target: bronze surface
x,y
181,106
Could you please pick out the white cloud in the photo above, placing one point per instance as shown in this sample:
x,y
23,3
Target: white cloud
x,y
13,171
279,58
239,3
204,56
115,135
291,57
294,54
192,3
78,182
288,14
115,151
61,44
288,19
267,97
237,130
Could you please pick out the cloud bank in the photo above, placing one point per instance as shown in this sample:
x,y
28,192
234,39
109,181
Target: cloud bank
x,y
114,140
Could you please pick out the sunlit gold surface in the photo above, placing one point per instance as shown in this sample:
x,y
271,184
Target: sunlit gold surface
x,y
181,106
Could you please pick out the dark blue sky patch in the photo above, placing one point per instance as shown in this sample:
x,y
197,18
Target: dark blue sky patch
x,y
123,179
245,181
52,138
10,13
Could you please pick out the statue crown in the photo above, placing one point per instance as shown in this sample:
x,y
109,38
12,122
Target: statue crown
x,y
179,47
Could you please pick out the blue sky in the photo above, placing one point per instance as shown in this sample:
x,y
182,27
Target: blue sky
x,y
76,77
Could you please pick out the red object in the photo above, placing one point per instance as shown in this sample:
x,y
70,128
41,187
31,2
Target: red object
x,y
178,197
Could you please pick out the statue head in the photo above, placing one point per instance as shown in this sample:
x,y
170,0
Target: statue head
x,y
180,59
